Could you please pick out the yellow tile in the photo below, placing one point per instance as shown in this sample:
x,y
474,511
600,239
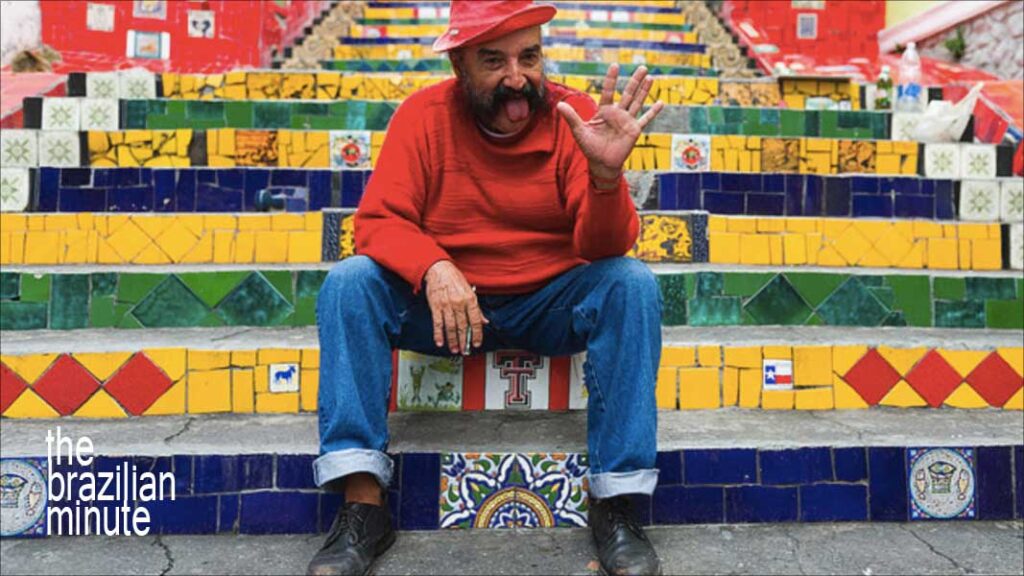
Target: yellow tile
x,y
170,360
698,388
964,253
812,365
283,403
1016,402
30,405
178,240
902,396
942,254
208,359
152,254
100,405
915,257
986,254
846,397
223,247
743,356
777,352
844,357
304,247
170,402
30,367
813,248
261,382
775,249
242,391
971,230
874,259
1014,357
36,222
678,356
799,225
742,224
271,247
754,249
243,358
268,356
11,222
16,252
102,364
771,224
902,359
887,164
815,399
730,386
128,240
76,247
927,229
314,221
43,248
965,397
852,245
311,358
287,221
209,391
709,355
202,252
963,361
665,389
724,248
794,249
949,230
60,222
308,388
893,244
777,399
750,388
717,223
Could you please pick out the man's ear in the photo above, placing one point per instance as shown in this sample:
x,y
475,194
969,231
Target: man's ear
x,y
455,57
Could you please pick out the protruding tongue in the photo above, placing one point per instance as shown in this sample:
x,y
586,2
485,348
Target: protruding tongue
x,y
517,109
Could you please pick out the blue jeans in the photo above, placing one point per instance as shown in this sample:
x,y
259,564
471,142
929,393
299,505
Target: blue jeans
x,y
611,308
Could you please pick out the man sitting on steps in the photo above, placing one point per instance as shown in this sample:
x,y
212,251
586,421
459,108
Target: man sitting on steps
x,y
497,217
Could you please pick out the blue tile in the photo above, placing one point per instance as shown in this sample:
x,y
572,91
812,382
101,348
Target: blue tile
x,y
126,177
1018,472
185,191
321,192
288,178
994,491
667,192
711,181
814,198
851,464
774,183
834,503
688,192
904,185
164,197
723,203
760,504
214,199
887,479
729,466
837,201
295,471
795,202
130,199
670,468
421,483
82,200
216,474
233,178
278,513
766,204
228,519
206,176
800,466
945,200
864,205
351,188
49,187
396,472
76,177
256,471
908,206
186,515
736,182
864,184
688,505
927,187
105,177
183,475
155,465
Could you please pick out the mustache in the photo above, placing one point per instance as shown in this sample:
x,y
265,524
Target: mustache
x,y
486,106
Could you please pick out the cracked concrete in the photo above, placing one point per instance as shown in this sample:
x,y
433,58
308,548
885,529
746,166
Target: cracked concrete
x,y
855,548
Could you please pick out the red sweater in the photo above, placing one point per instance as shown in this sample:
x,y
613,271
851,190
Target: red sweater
x,y
511,215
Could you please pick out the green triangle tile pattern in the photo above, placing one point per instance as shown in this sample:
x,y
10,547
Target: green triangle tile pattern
x,y
211,288
895,319
853,304
778,303
35,288
69,302
132,288
308,283
282,281
170,304
103,313
10,286
745,283
103,284
255,302
911,295
814,287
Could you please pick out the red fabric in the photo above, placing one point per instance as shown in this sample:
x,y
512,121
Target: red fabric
x,y
475,21
1018,160
511,215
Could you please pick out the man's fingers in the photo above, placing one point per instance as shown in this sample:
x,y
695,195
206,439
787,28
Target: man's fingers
x,y
570,115
476,321
641,97
608,90
631,87
461,325
438,319
651,114
450,330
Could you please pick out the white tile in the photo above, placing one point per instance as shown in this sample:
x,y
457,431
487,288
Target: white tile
x,y
977,161
14,189
19,149
979,200
283,377
1017,246
350,149
1011,200
691,152
99,114
102,85
517,380
60,149
942,160
137,84
60,113
942,483
429,382
577,383
904,124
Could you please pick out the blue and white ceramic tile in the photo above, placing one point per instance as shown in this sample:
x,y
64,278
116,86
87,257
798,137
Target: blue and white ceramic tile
x,y
137,84
941,483
99,114
61,113
429,382
19,149
1017,246
1011,200
691,152
942,160
577,382
283,377
350,149
517,380
977,161
23,497
513,490
14,189
979,200
59,149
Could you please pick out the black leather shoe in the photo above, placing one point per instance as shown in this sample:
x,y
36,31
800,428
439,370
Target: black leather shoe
x,y
622,546
360,533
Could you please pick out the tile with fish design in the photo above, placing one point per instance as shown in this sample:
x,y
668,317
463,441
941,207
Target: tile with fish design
x,y
23,490
941,483
493,490
429,382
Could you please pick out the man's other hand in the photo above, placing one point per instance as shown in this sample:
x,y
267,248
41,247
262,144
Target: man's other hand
x,y
454,308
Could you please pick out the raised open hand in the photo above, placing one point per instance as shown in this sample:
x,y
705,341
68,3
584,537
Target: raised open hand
x,y
608,138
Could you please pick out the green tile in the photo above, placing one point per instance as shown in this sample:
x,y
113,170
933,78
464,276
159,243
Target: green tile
x,y
128,321
239,114
962,314
135,114
212,320
281,280
254,303
871,280
673,294
778,303
990,288
792,123
895,319
709,284
212,287
947,288
699,122
815,320
22,315
884,295
35,287
132,288
745,283
814,287
748,320
205,110
1004,314
102,312
852,304
177,108
827,127
170,304
305,312
812,123
9,285
715,311
912,297
268,114
308,283
69,304
311,108
104,284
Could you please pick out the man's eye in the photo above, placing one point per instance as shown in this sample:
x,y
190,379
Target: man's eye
x,y
492,62
530,59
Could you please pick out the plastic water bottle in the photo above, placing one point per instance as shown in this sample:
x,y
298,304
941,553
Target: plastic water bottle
x,y
909,98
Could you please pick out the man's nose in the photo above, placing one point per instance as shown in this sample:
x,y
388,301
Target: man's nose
x,y
515,80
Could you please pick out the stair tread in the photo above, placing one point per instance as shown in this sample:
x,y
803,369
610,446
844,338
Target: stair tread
x,y
537,431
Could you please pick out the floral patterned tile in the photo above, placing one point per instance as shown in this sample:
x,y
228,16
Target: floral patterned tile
x,y
691,152
59,149
1011,200
61,113
979,200
102,85
137,84
1017,246
14,189
429,382
18,149
99,114
977,161
904,124
942,160
350,150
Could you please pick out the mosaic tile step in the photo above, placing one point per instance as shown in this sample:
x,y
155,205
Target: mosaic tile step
x,y
597,12
254,489
100,375
435,65
681,40
60,300
562,20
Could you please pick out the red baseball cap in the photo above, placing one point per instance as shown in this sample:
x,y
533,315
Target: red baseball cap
x,y
477,21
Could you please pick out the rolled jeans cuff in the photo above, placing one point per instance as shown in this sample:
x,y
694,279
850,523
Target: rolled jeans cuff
x,y
609,484
334,465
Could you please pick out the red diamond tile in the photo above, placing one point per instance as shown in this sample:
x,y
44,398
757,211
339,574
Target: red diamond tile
x,y
66,385
995,380
872,377
934,379
137,384
11,386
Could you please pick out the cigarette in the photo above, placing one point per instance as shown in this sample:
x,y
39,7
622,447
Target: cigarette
x,y
469,341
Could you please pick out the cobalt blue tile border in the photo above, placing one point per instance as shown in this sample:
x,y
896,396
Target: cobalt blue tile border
x,y
274,494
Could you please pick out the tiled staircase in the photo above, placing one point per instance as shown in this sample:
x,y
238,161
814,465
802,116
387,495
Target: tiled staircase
x,y
843,319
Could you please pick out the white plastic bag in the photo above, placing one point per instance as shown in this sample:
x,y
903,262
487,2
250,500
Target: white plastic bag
x,y
945,122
